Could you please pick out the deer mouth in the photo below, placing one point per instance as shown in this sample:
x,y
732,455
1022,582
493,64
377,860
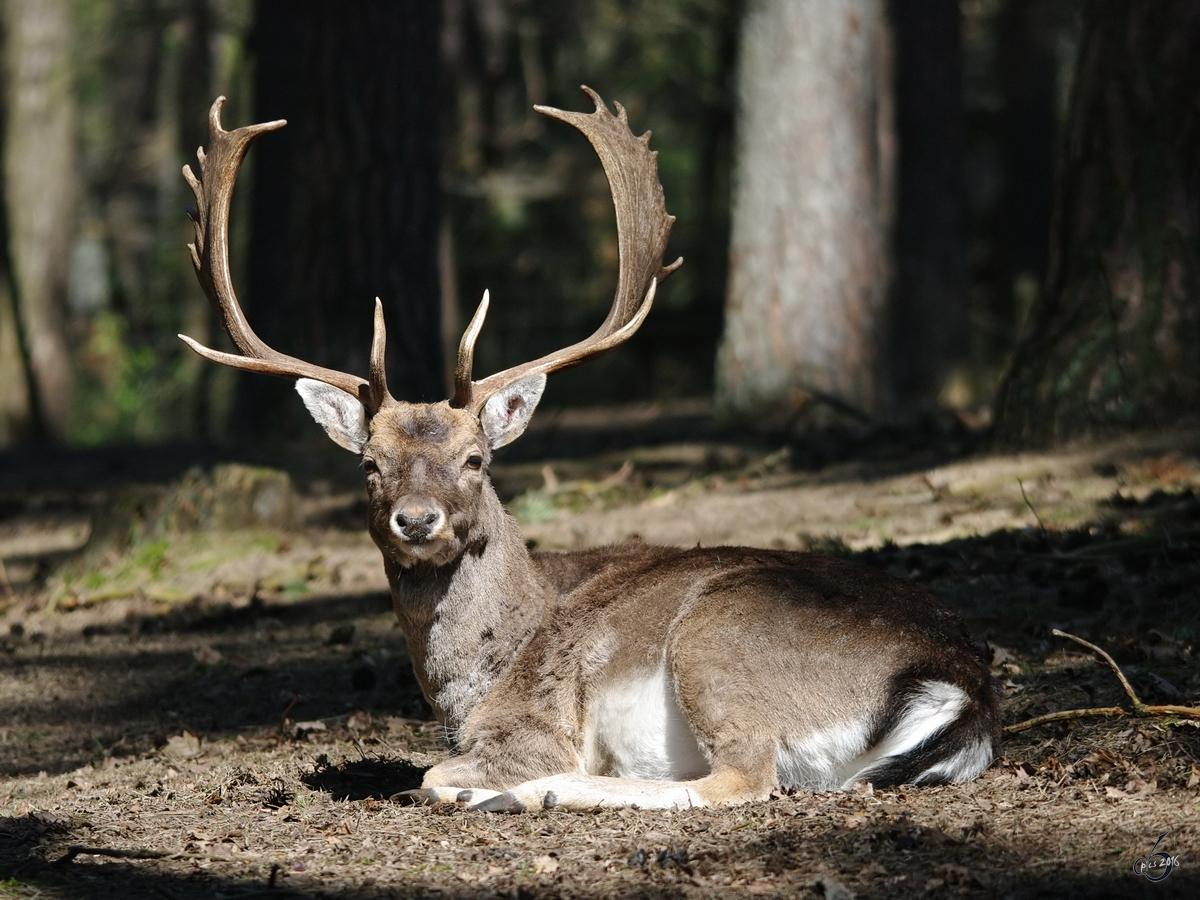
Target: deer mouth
x,y
433,550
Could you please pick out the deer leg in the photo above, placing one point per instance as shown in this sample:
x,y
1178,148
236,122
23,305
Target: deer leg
x,y
430,796
500,750
726,786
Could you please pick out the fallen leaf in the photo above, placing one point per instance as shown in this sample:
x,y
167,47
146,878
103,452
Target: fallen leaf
x,y
182,746
1138,789
1000,655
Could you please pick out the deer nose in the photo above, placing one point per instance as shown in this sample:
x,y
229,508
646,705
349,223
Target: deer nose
x,y
416,522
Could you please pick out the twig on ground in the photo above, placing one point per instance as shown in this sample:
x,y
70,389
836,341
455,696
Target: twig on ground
x,y
1138,705
1140,709
75,850
1041,525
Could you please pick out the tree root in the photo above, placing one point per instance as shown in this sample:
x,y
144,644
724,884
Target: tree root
x,y
1140,710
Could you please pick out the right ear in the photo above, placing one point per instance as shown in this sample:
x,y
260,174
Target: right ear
x,y
342,416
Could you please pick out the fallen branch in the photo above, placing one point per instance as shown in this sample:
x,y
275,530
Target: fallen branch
x,y
1140,710
75,850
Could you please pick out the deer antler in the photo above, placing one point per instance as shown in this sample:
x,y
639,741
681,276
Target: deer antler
x,y
643,226
210,257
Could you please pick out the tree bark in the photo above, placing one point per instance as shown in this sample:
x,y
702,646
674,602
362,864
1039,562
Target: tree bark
x,y
15,423
812,203
346,198
927,332
1115,339
40,190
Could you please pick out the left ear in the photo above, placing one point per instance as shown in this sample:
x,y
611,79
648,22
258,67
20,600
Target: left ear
x,y
508,411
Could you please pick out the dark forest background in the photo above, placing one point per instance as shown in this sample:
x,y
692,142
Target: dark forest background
x,y
1041,150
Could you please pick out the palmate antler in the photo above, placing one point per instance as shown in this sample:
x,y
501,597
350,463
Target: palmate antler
x,y
643,226
210,257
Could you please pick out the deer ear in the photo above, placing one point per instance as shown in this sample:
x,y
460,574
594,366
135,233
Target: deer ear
x,y
509,410
342,416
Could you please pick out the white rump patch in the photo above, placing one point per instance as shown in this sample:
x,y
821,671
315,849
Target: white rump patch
x,y
934,706
962,766
635,729
837,757
818,761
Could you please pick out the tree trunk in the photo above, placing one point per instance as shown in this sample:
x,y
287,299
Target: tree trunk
x,y
927,333
346,198
15,417
812,201
39,176
1115,339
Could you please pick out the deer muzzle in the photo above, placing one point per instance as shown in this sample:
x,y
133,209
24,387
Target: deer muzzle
x,y
418,520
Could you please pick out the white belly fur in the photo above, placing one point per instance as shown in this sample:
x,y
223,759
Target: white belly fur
x,y
635,729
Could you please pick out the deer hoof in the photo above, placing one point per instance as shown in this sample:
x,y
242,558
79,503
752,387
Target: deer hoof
x,y
417,797
505,803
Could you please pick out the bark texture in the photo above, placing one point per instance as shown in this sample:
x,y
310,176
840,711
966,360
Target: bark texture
x,y
40,192
812,200
927,332
346,198
14,386
1114,340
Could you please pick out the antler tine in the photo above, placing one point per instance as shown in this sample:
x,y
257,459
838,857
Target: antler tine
x,y
643,227
463,385
210,257
377,372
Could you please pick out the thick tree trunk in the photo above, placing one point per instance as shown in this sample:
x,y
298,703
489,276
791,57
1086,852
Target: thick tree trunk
x,y
346,198
927,333
40,190
15,416
812,200
1115,339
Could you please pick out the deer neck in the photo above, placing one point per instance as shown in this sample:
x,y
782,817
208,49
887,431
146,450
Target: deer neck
x,y
464,622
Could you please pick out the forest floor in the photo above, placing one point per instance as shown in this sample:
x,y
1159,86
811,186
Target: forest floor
x,y
203,692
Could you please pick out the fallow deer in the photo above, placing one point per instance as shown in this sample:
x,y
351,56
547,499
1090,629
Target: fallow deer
x,y
632,675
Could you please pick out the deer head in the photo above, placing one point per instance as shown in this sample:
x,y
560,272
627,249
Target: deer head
x,y
426,464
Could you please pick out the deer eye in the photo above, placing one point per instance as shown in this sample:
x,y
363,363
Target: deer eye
x,y
370,467
474,461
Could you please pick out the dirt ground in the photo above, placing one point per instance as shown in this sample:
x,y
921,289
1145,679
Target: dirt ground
x,y
203,692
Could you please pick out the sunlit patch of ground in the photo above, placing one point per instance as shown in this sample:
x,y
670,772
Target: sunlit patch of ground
x,y
226,712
